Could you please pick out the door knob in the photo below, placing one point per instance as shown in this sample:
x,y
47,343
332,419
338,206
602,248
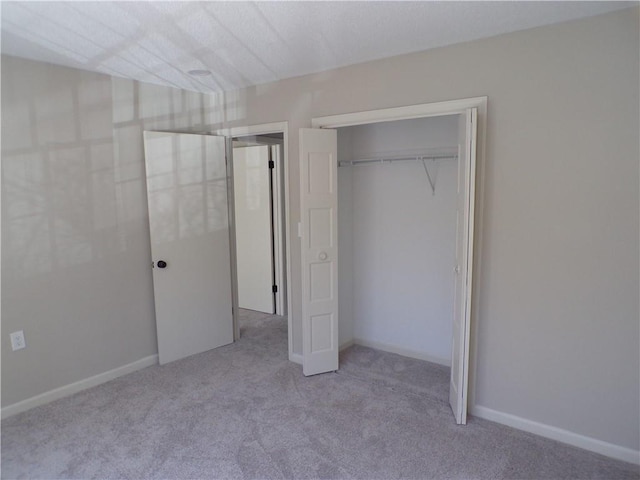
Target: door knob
x,y
162,264
323,256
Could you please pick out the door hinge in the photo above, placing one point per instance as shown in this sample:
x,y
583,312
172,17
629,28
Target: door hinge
x,y
274,288
271,164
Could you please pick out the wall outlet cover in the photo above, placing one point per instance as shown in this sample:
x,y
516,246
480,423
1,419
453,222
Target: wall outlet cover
x,y
17,340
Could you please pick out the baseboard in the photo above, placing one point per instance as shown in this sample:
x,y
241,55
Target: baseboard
x,y
76,387
295,358
565,436
403,351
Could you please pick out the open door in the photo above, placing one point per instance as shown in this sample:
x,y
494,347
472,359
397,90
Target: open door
x,y
189,225
464,264
253,217
319,245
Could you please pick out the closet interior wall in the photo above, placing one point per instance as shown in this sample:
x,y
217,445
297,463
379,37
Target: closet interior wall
x,y
397,237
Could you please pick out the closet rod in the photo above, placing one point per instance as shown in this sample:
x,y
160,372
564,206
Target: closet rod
x,y
343,163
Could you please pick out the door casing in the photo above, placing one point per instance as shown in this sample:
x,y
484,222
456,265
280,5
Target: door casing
x,y
451,107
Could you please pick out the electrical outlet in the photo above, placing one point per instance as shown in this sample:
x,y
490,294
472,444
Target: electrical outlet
x,y
17,340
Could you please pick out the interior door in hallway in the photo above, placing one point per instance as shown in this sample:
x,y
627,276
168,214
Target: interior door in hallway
x,y
254,230
189,226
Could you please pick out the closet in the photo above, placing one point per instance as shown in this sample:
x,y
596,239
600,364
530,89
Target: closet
x,y
397,198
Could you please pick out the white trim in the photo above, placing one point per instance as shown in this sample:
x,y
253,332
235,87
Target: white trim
x,y
275,127
405,352
565,436
451,107
78,386
231,211
347,344
261,129
470,182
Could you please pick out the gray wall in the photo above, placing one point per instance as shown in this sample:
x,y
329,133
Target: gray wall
x,y
556,331
75,237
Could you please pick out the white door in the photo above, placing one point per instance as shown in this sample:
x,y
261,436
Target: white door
x,y
189,224
277,199
319,245
254,246
464,261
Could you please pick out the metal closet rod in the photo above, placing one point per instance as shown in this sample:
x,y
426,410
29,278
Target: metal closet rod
x,y
343,163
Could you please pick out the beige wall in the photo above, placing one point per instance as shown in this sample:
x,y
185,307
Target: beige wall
x,y
556,317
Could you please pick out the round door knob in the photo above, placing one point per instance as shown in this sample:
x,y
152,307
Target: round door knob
x,y
323,256
162,264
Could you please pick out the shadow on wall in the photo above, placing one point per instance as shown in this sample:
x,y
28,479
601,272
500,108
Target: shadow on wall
x,y
187,186
73,163
76,254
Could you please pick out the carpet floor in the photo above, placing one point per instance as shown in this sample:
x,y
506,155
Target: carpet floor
x,y
245,412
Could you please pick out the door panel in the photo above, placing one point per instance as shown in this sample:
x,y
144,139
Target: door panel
x,y
253,228
189,227
319,201
464,263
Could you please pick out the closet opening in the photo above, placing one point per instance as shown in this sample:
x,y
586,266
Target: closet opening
x,y
387,231
397,202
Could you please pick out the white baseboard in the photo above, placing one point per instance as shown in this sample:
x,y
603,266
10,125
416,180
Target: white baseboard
x,y
403,351
75,387
347,344
565,436
295,358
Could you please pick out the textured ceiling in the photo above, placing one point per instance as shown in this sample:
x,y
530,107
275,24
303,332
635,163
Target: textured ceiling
x,y
250,43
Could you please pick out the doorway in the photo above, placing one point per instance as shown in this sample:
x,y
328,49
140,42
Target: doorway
x,y
190,198
319,207
271,134
397,201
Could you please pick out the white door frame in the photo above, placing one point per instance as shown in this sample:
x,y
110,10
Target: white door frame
x,y
450,107
283,256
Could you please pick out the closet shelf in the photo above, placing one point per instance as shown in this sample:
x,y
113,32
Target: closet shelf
x,y
404,158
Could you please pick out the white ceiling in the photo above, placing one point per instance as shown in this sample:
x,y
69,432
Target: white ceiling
x,y
250,43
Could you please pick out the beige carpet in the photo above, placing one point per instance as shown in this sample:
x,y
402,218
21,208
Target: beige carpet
x,y
245,411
